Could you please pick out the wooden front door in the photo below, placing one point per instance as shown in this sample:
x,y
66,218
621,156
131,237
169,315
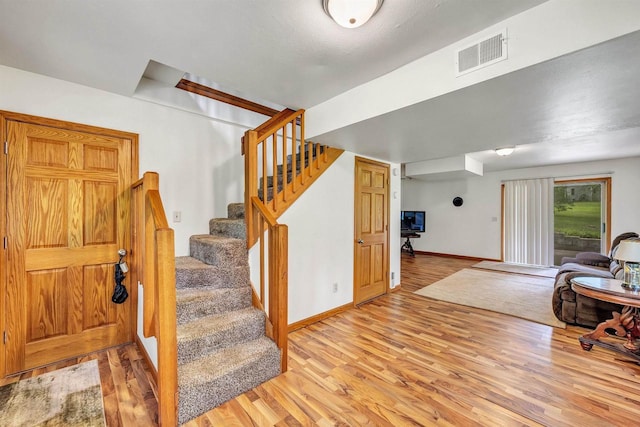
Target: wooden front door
x,y
67,216
371,230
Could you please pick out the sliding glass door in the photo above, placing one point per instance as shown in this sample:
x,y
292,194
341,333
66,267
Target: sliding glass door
x,y
581,217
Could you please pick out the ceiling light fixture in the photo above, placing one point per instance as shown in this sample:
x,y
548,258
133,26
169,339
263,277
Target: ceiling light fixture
x,y
505,151
351,13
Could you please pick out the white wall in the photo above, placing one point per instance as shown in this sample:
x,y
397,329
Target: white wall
x,y
321,239
474,229
198,158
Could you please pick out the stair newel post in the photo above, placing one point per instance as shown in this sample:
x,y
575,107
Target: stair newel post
x,y
251,183
166,336
278,287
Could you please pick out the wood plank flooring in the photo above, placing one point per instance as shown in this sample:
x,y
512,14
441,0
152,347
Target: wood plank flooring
x,y
406,360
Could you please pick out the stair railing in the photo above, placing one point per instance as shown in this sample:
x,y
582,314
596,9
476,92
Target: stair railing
x,y
279,166
154,260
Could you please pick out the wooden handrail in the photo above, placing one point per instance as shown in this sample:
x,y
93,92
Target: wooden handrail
x,y
154,261
257,203
274,124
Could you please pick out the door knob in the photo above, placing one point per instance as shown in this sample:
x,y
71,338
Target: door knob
x,y
360,241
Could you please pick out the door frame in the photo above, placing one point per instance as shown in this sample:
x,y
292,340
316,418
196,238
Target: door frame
x,y
387,259
605,181
6,116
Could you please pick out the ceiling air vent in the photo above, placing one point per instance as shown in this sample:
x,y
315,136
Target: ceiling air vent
x,y
482,53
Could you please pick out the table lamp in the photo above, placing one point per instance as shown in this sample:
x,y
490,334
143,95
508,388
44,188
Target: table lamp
x,y
629,252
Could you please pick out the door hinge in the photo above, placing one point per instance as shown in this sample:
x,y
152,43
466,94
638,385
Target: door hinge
x,y
4,242
6,147
4,337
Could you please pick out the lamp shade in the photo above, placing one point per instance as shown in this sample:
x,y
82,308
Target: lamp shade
x,y
628,250
351,13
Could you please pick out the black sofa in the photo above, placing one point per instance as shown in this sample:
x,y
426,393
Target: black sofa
x,y
577,309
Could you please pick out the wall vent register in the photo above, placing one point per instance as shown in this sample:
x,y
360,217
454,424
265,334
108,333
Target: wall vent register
x,y
482,53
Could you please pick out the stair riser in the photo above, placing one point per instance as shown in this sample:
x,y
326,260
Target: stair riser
x,y
221,302
269,193
195,401
237,230
214,277
235,210
225,253
190,349
279,180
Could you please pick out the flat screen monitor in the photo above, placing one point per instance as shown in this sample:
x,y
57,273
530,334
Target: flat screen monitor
x,y
412,221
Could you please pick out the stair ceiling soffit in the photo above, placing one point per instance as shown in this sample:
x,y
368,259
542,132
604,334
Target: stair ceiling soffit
x,y
169,77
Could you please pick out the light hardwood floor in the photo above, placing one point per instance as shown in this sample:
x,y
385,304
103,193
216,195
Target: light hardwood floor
x,y
402,360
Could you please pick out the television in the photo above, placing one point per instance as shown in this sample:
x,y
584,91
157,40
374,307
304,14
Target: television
x,y
412,221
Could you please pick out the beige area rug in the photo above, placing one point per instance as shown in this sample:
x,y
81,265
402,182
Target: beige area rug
x,y
527,297
67,397
530,270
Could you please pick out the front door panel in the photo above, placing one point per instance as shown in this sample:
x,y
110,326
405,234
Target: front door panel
x,y
68,214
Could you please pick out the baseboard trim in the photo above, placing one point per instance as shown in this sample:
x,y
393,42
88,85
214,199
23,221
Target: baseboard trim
x,y
396,288
147,359
318,317
470,258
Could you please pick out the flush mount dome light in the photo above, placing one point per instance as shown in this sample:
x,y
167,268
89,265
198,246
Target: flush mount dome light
x,y
351,13
505,151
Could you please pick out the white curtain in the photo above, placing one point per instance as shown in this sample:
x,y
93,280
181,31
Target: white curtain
x,y
528,221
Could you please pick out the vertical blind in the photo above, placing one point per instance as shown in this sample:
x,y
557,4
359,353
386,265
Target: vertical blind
x,y
528,221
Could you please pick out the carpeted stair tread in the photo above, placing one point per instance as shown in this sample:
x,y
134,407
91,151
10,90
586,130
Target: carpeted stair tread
x,y
193,273
210,381
193,303
211,333
218,250
235,228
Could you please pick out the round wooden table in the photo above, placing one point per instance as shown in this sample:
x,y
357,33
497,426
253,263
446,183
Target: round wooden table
x,y
626,324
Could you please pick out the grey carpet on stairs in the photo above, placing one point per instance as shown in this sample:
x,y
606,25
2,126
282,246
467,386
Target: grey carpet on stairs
x,y
222,347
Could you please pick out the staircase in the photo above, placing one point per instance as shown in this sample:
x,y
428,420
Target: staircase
x,y
222,347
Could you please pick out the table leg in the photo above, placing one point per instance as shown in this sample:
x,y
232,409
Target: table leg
x,y
625,324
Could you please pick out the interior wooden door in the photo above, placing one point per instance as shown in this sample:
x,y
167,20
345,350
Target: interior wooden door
x,y
67,216
371,230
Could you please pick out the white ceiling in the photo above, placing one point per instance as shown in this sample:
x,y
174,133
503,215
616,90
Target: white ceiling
x,y
579,107
290,53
